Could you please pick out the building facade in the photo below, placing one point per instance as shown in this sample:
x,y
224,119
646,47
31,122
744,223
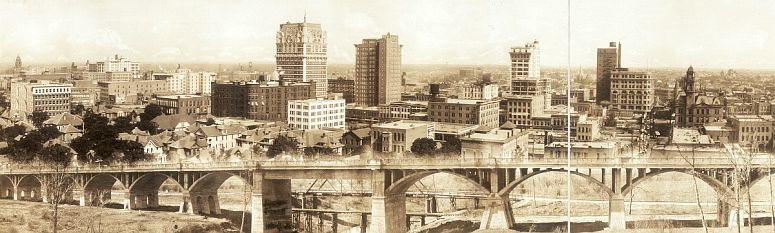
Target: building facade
x,y
608,59
132,92
481,91
397,137
51,98
344,86
476,112
632,91
411,110
378,71
183,104
302,55
526,72
520,109
317,113
258,100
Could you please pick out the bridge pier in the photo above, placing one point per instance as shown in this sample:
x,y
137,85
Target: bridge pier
x,y
185,204
431,205
80,194
388,213
727,215
271,206
497,213
616,213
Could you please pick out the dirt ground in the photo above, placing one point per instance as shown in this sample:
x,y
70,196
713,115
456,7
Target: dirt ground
x,y
35,217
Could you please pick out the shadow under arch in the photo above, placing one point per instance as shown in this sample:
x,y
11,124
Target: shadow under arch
x,y
212,181
509,187
102,180
151,182
721,189
403,184
6,186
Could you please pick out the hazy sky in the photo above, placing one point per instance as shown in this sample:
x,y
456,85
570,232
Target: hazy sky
x,y
718,33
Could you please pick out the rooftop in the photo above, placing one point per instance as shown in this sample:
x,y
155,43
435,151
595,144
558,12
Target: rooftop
x,y
690,136
405,124
177,96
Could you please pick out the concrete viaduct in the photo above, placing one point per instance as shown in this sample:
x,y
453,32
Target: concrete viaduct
x,y
390,179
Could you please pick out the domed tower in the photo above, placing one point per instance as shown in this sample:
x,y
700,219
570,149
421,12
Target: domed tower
x,y
18,64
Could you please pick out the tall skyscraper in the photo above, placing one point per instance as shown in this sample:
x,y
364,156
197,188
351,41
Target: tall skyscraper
x,y
608,59
378,71
526,72
302,54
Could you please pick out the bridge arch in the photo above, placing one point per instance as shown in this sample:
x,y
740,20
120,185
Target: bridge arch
x,y
29,187
721,189
151,181
403,184
97,190
204,191
511,186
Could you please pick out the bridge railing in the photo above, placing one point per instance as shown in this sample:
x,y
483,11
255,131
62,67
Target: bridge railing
x,y
435,162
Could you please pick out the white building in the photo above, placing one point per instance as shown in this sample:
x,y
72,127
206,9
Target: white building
x,y
116,64
317,113
51,98
187,82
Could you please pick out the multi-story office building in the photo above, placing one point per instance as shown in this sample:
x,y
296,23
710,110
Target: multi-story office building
x,y
526,72
378,71
521,108
183,104
317,113
476,112
398,136
588,130
132,92
302,55
344,86
51,98
481,91
631,91
118,77
608,59
694,108
258,100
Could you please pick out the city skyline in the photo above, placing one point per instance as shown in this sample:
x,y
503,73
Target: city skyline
x,y
664,34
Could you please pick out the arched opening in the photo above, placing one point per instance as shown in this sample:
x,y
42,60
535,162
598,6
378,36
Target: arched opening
x,y
156,191
223,194
29,188
6,187
762,199
539,201
104,190
673,199
433,195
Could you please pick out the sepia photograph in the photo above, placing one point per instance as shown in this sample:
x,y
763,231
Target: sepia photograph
x,y
387,116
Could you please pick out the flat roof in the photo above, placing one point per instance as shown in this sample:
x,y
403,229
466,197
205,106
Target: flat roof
x,y
453,127
178,96
690,136
402,124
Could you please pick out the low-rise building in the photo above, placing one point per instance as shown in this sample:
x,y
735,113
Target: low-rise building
x,y
186,104
752,131
477,112
265,100
133,92
588,130
480,91
397,137
499,143
361,114
403,110
520,109
582,150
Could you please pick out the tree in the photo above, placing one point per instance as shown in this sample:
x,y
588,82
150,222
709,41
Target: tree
x,y
133,151
210,121
282,144
38,117
93,121
610,119
151,111
58,184
77,109
148,126
123,124
452,146
424,146
9,133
